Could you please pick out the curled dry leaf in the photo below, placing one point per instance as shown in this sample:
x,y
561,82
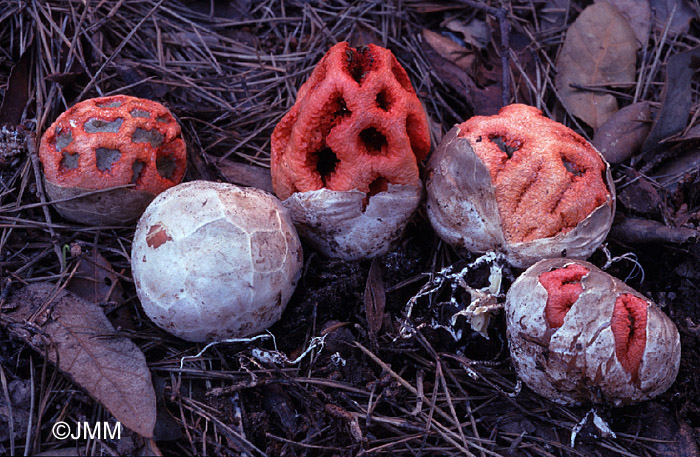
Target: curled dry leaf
x,y
375,298
449,49
96,281
600,48
673,116
639,231
78,337
623,134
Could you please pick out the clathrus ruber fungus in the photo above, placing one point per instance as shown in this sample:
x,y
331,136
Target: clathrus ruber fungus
x,y
521,184
213,261
119,141
578,335
345,157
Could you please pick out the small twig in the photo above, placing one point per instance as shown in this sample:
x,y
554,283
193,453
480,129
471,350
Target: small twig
x,y
31,150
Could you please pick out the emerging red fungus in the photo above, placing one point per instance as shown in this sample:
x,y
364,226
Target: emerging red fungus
x,y
356,124
577,334
547,178
563,287
629,326
113,141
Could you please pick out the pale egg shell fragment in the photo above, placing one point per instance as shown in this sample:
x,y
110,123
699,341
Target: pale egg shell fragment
x,y
336,224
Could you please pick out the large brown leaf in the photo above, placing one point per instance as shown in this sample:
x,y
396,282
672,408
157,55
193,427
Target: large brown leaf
x,y
76,332
600,48
677,103
450,50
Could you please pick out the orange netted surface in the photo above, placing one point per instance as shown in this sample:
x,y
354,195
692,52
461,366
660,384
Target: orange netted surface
x,y
113,141
547,178
356,124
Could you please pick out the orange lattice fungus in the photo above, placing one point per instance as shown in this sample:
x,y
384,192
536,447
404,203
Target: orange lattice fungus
x,y
345,157
522,184
121,151
579,335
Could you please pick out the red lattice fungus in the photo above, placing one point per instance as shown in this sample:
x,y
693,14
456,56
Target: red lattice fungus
x,y
109,142
590,337
547,178
563,287
356,124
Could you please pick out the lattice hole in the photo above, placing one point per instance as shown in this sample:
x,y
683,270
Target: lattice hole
x,y
95,125
374,141
106,158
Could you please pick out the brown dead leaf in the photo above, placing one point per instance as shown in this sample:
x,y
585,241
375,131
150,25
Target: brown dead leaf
x,y
623,134
600,48
449,49
96,281
243,174
638,14
676,105
476,32
682,15
640,195
450,74
375,298
110,368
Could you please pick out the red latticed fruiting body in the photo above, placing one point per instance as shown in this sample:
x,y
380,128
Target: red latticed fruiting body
x,y
522,184
109,142
357,130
